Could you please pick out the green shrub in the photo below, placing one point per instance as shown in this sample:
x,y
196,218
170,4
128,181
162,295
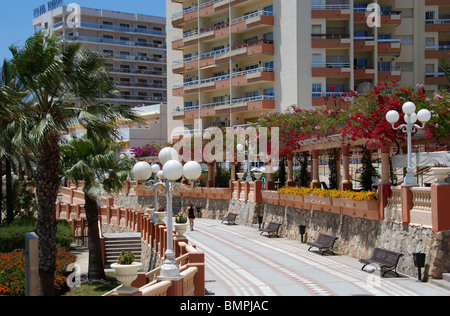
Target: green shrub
x,y
13,236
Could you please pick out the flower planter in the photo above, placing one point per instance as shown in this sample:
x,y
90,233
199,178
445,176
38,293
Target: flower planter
x,y
160,216
441,173
180,230
127,274
240,175
258,175
150,211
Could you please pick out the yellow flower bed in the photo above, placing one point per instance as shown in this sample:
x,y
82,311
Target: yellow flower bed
x,y
355,196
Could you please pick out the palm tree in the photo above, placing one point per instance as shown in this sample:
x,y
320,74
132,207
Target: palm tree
x,y
55,74
96,162
11,98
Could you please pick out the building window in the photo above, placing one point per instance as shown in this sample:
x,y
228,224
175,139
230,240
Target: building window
x,y
316,90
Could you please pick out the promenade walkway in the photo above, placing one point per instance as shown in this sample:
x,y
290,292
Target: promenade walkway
x,y
240,262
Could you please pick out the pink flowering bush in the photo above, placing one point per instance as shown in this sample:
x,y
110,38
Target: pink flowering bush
x,y
149,150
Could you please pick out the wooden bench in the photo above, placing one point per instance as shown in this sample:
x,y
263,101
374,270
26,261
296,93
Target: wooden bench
x,y
324,243
230,219
387,260
271,229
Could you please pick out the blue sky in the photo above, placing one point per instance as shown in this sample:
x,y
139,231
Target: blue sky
x,y
16,17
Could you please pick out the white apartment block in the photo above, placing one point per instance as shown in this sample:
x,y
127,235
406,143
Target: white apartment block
x,y
135,47
231,60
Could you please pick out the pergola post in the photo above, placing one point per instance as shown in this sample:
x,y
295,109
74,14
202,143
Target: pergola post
x,y
210,183
384,182
233,171
290,171
346,184
270,184
315,183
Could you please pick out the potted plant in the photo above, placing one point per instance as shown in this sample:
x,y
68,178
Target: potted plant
x,y
440,172
180,225
126,272
161,214
258,175
241,175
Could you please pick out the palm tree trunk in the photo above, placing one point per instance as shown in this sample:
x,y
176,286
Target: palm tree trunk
x,y
9,194
47,181
96,270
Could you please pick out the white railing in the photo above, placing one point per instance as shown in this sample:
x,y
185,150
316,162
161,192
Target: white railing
x,y
421,214
422,199
251,15
331,7
393,210
330,65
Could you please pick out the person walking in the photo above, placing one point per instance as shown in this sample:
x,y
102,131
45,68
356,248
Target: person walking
x,y
190,211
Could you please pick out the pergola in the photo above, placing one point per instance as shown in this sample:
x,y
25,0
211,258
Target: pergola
x,y
316,147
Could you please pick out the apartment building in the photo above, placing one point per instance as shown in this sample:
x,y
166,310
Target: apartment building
x,y
231,60
135,47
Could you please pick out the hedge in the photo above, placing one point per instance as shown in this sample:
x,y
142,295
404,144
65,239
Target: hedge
x,y
13,236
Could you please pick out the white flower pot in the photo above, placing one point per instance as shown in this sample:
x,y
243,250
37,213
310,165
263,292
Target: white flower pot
x,y
241,175
150,211
180,229
127,274
441,173
160,216
258,175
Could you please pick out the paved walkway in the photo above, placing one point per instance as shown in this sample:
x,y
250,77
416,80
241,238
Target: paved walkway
x,y
240,262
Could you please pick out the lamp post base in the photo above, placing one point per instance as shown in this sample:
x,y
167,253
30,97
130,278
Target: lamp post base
x,y
410,181
170,271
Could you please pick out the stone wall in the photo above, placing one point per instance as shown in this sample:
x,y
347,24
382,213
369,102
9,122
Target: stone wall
x,y
358,237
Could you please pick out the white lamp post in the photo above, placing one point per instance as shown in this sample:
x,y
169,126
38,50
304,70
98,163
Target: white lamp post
x,y
172,171
411,118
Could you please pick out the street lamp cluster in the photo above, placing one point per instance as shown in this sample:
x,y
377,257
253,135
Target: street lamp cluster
x,y
424,116
172,170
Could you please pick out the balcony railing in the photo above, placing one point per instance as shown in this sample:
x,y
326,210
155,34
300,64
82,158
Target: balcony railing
x,y
114,41
112,28
330,7
226,103
221,51
438,21
223,77
190,33
137,71
330,65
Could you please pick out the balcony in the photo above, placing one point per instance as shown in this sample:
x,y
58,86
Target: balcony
x,y
249,21
436,52
257,103
264,47
331,11
333,41
331,70
109,41
112,28
222,82
389,75
387,17
439,25
436,78
138,72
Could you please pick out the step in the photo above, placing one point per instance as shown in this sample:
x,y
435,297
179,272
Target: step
x,y
116,243
444,283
